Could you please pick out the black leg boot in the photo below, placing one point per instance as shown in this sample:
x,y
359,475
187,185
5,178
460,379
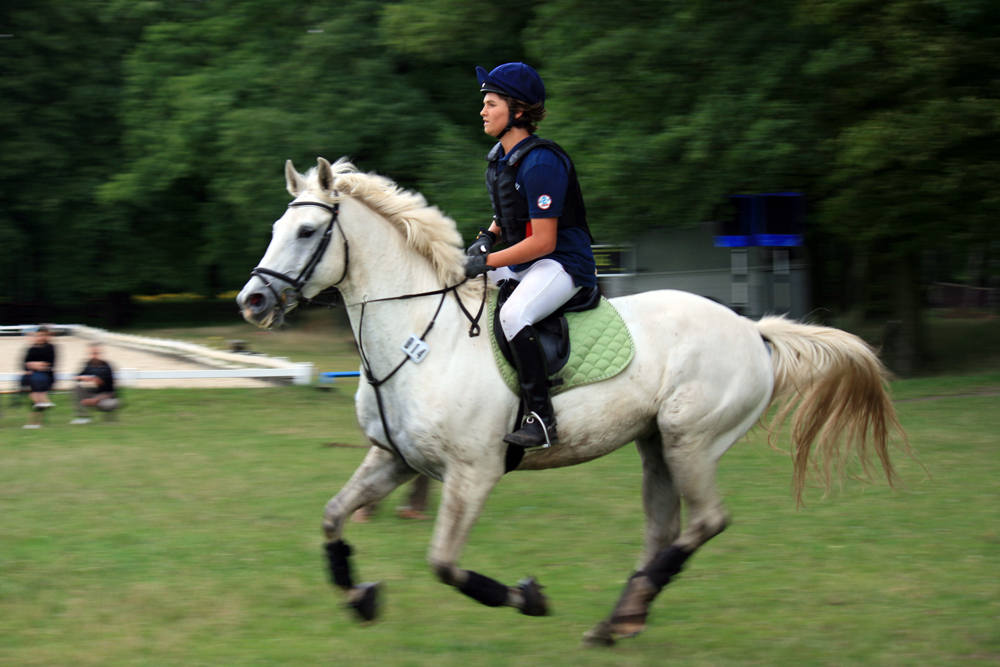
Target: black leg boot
x,y
539,426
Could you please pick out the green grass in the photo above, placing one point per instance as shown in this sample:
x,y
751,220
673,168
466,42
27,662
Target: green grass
x,y
187,533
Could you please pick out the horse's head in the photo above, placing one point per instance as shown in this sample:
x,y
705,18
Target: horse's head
x,y
303,258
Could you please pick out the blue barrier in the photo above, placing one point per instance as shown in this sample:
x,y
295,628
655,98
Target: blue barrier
x,y
331,378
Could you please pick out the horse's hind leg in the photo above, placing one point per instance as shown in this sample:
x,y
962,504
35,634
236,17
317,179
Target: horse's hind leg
x,y
660,500
662,505
466,489
692,464
377,476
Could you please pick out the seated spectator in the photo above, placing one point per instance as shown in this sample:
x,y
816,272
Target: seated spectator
x,y
39,375
95,387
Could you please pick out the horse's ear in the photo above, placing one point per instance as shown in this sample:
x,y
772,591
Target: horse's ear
x,y
324,175
294,181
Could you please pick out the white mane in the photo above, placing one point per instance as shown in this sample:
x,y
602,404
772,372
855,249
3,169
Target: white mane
x,y
428,231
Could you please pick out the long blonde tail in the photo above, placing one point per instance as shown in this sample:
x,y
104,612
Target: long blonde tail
x,y
835,389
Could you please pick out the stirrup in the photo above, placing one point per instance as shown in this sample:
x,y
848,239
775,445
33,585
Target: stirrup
x,y
531,418
545,429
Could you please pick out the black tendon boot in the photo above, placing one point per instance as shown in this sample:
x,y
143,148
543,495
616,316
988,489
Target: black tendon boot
x,y
539,426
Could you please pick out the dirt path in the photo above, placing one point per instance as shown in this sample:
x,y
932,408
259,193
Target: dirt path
x,y
72,352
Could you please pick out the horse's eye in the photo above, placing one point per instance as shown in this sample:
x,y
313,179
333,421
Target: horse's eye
x,y
306,232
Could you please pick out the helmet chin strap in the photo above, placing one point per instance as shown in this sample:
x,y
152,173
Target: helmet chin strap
x,y
510,124
513,121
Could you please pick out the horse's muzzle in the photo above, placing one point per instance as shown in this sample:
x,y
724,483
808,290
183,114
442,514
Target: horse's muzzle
x,y
261,307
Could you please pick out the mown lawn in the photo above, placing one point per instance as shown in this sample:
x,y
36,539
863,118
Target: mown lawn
x,y
187,533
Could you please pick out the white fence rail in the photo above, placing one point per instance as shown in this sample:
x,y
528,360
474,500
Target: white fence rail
x,y
226,364
301,373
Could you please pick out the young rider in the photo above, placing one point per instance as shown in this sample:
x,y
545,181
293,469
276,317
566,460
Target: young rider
x,y
540,216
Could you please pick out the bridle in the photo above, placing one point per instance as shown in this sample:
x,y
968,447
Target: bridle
x,y
306,273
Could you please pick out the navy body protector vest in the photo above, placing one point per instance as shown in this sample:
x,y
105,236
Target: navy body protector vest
x,y
511,209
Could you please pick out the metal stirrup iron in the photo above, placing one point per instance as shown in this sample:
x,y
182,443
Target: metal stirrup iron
x,y
545,429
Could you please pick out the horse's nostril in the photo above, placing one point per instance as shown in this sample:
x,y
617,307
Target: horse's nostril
x,y
255,299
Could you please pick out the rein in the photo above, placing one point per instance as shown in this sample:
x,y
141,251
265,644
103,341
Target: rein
x,y
306,273
376,383
474,329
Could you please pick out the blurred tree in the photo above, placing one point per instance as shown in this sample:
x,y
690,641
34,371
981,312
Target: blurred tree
x,y
437,45
883,113
59,86
669,106
216,102
665,106
911,118
142,144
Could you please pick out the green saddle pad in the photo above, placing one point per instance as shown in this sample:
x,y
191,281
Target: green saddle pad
x,y
600,347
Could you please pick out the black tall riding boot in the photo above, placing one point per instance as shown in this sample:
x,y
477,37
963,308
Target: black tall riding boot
x,y
539,426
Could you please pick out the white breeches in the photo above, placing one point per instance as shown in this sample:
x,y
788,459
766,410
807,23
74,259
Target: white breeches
x,y
543,288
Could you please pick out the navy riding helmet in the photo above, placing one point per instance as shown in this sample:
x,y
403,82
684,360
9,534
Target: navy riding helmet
x,y
517,80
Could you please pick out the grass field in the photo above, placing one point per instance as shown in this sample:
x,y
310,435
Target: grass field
x,y
187,533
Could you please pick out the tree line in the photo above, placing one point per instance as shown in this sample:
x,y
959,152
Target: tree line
x,y
142,144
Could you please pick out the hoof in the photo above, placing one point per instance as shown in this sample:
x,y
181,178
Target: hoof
x,y
535,602
628,626
599,636
365,601
629,617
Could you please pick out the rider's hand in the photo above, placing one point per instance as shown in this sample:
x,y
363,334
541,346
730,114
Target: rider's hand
x,y
483,244
476,265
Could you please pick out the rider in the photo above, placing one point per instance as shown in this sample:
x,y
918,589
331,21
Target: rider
x,y
539,214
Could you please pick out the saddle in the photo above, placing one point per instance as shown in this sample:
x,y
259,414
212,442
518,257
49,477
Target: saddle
x,y
553,331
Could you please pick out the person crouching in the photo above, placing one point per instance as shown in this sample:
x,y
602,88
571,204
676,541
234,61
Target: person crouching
x,y
95,387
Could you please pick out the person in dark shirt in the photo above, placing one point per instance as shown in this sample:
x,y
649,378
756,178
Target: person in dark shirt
x,y
540,215
39,375
95,387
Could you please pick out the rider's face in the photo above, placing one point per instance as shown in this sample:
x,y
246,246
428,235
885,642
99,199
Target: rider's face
x,y
495,114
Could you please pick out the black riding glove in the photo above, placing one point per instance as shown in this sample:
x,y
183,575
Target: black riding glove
x,y
476,266
483,243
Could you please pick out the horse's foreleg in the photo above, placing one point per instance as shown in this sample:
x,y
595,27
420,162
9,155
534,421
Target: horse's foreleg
x,y
377,476
465,492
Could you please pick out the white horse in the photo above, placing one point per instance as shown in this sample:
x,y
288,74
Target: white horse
x,y
701,378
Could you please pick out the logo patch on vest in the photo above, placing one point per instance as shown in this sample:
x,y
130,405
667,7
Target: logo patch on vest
x,y
544,202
